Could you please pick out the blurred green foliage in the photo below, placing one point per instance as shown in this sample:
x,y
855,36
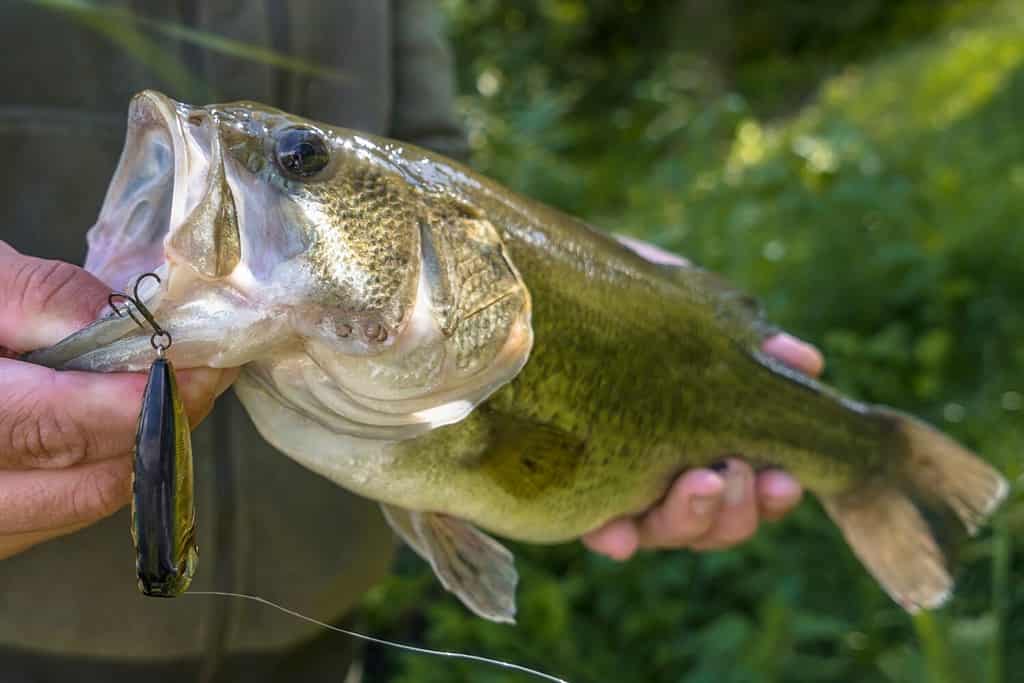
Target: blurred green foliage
x,y
860,165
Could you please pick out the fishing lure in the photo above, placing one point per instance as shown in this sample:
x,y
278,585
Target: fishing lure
x,y
163,502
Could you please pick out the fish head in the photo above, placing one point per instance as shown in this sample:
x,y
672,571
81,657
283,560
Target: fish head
x,y
333,266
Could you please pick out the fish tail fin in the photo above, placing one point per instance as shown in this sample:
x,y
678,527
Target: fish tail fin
x,y
903,524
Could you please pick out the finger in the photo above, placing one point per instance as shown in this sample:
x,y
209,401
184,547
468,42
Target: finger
x,y
737,518
795,353
687,512
51,419
777,493
16,543
33,501
617,539
43,301
650,252
199,389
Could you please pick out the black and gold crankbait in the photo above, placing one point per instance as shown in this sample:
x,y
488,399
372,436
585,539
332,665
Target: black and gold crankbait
x,y
163,500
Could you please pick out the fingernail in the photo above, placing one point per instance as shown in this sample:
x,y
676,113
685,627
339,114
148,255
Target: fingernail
x,y
702,506
796,353
735,488
780,490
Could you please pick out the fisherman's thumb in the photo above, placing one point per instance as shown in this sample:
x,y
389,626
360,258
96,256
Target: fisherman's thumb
x,y
42,301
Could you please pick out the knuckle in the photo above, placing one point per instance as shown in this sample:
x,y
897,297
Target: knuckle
x,y
39,283
658,527
665,531
739,532
38,280
36,433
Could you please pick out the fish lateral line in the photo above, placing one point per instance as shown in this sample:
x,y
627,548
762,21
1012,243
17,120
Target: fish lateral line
x,y
389,643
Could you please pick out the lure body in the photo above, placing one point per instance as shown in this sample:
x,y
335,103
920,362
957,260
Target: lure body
x,y
163,503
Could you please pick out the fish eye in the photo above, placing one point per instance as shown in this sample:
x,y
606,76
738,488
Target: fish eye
x,y
301,152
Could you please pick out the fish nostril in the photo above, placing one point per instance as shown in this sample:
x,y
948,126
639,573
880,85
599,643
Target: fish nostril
x,y
196,119
375,332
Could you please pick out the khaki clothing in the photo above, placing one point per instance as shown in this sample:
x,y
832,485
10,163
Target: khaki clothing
x,y
266,525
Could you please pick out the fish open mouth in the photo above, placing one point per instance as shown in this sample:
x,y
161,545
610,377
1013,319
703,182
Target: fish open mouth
x,y
163,171
169,210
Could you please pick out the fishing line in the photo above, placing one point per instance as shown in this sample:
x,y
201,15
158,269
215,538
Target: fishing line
x,y
380,641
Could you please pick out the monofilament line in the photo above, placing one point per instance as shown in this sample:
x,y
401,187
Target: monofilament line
x,y
389,643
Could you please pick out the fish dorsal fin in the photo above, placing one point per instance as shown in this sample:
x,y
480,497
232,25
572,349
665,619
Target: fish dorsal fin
x,y
468,562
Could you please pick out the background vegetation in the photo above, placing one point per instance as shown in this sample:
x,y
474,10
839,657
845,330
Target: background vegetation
x,y
860,165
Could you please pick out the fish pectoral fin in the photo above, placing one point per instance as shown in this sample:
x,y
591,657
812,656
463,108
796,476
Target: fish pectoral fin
x,y
400,520
528,458
468,562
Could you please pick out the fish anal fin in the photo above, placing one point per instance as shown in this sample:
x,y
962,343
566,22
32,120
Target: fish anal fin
x,y
477,569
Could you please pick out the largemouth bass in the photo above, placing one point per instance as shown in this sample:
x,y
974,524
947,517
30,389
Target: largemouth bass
x,y
470,358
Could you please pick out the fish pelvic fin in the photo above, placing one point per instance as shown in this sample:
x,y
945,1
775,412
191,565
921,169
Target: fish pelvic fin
x,y
477,569
905,524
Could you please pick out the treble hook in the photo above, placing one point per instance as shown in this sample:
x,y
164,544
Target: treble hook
x,y
161,338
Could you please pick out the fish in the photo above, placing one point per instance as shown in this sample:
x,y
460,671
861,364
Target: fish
x,y
478,362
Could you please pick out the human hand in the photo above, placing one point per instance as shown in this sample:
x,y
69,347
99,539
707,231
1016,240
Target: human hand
x,y
710,509
66,438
